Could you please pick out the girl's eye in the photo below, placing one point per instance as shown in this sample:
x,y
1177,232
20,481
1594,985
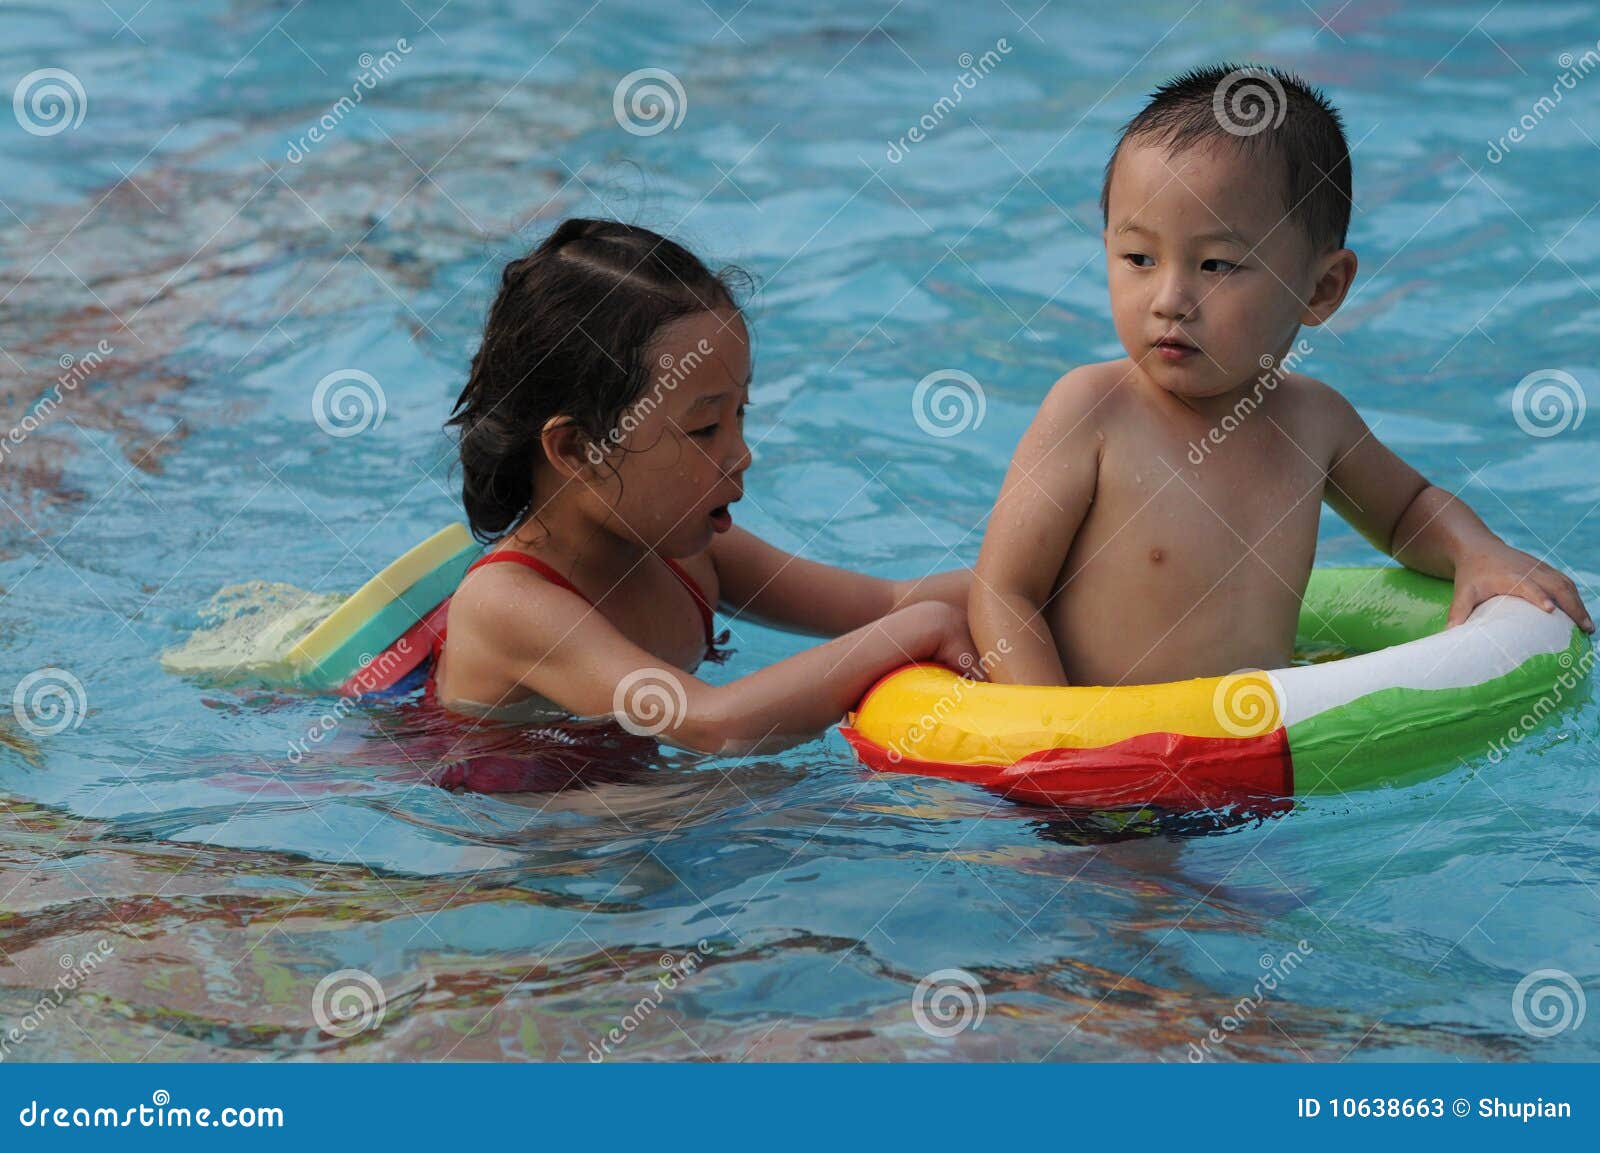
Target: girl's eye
x,y
1134,258
742,407
1207,265
705,433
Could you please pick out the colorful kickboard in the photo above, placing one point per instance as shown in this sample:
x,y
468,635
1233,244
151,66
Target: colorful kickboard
x,y
396,663
357,646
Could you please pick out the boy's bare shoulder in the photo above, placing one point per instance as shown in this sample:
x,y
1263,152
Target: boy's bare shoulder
x,y
1307,391
1089,393
1319,417
1314,397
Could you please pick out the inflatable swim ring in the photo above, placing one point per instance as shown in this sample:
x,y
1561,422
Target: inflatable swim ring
x,y
1419,698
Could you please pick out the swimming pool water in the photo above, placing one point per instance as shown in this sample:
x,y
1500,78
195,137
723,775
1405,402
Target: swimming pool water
x,y
797,899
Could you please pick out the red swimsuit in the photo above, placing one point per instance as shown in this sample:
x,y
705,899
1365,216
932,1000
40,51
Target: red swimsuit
x,y
555,578
549,763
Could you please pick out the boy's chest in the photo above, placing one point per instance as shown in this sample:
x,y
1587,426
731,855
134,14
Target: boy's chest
x,y
1226,522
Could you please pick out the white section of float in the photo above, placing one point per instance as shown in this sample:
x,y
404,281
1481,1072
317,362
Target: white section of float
x,y
1502,634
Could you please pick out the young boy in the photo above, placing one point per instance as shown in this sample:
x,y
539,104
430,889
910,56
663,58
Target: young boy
x,y
1159,518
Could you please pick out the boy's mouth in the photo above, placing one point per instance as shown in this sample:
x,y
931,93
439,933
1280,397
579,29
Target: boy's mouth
x,y
1172,349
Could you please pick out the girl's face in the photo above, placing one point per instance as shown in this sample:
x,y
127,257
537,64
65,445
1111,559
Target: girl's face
x,y
679,449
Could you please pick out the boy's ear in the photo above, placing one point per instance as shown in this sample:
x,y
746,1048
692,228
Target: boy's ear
x,y
567,449
1338,273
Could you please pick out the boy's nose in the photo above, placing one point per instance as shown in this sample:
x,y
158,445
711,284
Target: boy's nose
x,y
1174,300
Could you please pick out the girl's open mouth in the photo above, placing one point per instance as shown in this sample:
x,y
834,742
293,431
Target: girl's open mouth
x,y
721,518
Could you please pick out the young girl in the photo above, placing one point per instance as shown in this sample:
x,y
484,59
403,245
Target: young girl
x,y
602,445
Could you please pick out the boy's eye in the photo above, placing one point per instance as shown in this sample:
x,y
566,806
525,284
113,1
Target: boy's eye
x,y
1134,258
1211,265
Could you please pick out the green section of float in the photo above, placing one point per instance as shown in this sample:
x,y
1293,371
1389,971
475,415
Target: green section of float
x,y
1398,735
1366,609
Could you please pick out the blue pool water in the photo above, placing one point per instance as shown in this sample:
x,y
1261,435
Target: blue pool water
x,y
227,880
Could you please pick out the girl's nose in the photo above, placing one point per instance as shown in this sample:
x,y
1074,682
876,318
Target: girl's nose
x,y
741,458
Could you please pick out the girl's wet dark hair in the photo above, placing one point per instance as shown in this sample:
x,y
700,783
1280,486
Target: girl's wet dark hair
x,y
568,335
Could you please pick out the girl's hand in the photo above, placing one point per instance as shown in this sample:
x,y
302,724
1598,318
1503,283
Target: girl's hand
x,y
1502,570
949,639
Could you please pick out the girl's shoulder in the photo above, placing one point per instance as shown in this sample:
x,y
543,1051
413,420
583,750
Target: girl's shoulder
x,y
511,601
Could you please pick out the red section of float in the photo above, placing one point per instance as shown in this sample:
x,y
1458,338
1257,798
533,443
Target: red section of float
x,y
1163,769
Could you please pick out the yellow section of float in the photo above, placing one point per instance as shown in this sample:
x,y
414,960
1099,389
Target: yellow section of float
x,y
932,714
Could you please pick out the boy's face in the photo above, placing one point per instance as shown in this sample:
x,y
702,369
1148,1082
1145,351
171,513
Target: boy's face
x,y
1206,274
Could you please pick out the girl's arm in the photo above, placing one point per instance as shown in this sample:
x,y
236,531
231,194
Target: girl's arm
x,y
762,582
553,643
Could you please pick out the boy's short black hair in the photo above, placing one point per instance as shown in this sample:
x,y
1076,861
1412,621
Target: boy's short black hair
x,y
1264,112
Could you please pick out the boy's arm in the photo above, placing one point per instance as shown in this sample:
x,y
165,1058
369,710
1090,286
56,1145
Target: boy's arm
x,y
1046,495
1428,529
763,582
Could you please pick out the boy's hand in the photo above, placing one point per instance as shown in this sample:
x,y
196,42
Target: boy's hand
x,y
1501,569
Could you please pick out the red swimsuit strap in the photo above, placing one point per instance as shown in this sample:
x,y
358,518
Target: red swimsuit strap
x,y
700,601
521,558
532,562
